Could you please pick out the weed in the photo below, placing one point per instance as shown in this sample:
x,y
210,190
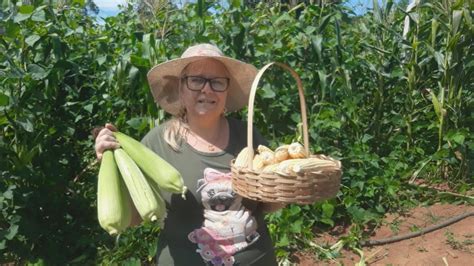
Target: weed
x,y
395,226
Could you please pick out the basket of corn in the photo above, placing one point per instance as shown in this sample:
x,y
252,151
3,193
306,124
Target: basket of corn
x,y
289,173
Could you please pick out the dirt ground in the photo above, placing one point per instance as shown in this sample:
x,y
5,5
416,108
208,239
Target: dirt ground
x,y
450,245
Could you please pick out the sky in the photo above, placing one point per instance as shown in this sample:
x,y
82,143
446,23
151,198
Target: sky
x,y
110,7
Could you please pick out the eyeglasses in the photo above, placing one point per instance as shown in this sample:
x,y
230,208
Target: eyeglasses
x,y
196,83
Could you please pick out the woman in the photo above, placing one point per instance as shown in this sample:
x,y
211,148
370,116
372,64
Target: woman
x,y
213,225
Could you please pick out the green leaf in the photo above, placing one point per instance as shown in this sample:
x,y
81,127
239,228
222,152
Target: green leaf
x,y
101,59
8,194
434,30
39,16
323,82
396,73
139,62
328,209
32,39
236,3
12,29
12,231
324,22
439,59
457,137
21,17
317,44
327,221
26,9
131,262
366,138
467,17
436,104
37,72
81,3
296,226
294,210
457,15
26,124
135,122
283,241
4,99
89,107
267,92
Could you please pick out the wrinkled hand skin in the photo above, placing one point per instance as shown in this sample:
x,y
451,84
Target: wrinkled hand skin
x,y
104,139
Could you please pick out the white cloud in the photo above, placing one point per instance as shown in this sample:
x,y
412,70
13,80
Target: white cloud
x,y
109,4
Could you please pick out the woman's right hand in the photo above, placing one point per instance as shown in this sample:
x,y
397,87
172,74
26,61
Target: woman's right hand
x,y
105,140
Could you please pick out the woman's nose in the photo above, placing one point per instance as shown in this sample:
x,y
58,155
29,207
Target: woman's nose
x,y
207,87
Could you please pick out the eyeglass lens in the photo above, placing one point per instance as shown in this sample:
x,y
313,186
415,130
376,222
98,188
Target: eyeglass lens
x,y
197,83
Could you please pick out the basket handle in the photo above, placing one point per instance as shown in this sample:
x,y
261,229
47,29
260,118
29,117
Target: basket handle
x,y
252,102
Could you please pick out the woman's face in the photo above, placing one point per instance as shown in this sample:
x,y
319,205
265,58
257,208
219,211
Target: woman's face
x,y
205,102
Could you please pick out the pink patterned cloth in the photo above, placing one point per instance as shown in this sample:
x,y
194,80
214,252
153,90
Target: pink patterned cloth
x,y
228,226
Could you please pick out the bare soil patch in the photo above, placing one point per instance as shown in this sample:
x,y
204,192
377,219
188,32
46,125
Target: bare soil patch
x,y
450,245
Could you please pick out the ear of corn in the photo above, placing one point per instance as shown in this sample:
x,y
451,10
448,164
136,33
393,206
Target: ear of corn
x,y
281,153
113,201
286,166
155,167
270,168
313,165
258,163
143,196
243,158
268,157
296,151
263,148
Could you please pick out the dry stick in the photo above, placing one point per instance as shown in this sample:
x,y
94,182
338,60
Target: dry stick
x,y
442,191
373,255
426,230
84,170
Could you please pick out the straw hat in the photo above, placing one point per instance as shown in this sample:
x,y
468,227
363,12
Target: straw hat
x,y
164,78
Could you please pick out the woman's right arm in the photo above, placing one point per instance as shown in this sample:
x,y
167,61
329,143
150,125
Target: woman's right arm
x,y
105,140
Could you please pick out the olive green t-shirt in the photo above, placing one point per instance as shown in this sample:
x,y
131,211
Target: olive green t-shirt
x,y
186,215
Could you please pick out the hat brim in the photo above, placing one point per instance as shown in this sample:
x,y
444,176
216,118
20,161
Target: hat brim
x,y
164,82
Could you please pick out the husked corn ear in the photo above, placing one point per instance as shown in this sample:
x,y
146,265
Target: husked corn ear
x,y
296,151
286,166
242,159
258,163
155,167
313,165
270,168
263,148
281,153
143,197
114,210
268,157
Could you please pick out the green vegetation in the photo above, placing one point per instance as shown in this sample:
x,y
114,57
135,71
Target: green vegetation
x,y
395,109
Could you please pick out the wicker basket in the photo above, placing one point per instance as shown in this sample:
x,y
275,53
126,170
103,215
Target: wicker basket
x,y
304,188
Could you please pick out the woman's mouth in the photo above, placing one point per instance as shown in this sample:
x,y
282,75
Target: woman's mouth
x,y
206,101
